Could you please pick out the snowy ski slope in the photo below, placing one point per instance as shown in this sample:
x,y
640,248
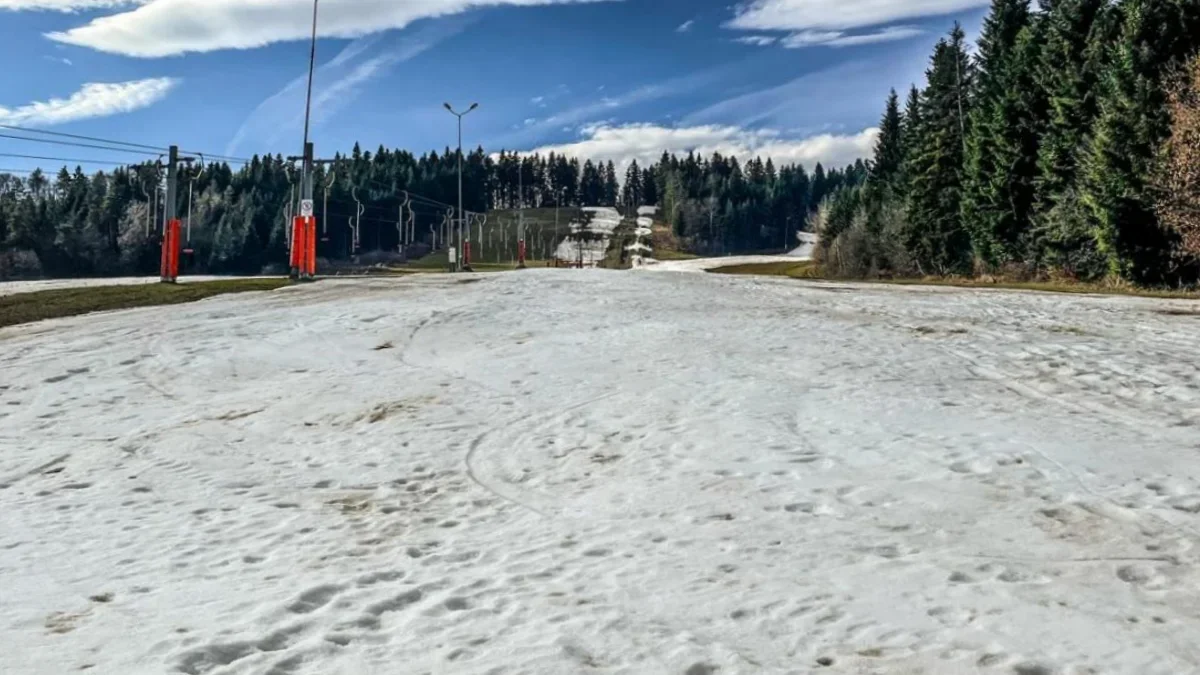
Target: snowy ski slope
x,y
564,471
602,223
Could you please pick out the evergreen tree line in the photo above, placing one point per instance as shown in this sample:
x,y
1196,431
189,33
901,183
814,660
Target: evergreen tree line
x,y
107,223
1042,155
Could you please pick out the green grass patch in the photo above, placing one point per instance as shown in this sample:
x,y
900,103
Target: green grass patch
x,y
667,254
803,269
810,270
54,304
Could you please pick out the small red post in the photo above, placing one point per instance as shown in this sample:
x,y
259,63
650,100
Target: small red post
x,y
298,252
467,253
175,231
311,239
169,265
521,254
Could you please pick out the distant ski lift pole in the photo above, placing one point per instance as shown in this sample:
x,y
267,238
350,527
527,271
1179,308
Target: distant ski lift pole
x,y
401,228
357,219
325,209
188,250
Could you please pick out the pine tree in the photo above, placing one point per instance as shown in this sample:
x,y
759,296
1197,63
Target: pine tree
x,y
1156,37
889,148
612,188
1071,63
1006,122
649,188
936,237
632,191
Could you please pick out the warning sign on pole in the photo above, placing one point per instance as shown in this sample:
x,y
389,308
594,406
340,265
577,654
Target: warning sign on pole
x,y
453,255
306,208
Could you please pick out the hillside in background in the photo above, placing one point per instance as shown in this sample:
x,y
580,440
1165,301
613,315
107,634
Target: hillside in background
x,y
106,223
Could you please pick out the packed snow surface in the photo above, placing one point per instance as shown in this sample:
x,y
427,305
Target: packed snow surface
x,y
602,220
808,245
708,264
562,471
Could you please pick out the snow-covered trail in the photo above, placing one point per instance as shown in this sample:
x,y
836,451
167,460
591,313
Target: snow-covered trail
x,y
575,471
707,264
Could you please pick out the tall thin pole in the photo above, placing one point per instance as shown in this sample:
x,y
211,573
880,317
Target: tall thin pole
x,y
461,216
306,170
520,200
312,60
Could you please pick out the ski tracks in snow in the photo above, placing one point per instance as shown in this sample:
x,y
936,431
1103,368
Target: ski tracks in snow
x,y
564,471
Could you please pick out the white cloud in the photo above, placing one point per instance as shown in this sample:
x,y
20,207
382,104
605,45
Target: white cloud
x,y
686,26
838,38
171,27
646,143
801,15
64,5
92,100
758,40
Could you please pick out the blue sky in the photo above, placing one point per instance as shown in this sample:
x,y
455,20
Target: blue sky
x,y
800,80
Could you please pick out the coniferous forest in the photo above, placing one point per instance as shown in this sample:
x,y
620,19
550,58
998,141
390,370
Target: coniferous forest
x,y
1066,146
79,224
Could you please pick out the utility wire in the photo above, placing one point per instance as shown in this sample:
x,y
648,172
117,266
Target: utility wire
x,y
157,149
82,138
77,145
67,160
223,158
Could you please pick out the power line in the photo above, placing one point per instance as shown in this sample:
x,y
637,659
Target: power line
x,y
155,148
223,158
82,138
76,145
67,160
16,171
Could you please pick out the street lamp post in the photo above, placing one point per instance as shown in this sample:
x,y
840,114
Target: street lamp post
x,y
461,216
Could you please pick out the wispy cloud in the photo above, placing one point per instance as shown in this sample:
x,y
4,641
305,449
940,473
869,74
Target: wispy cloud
x,y
812,38
171,27
646,142
60,59
593,109
758,40
65,5
849,92
92,100
341,81
804,15
686,26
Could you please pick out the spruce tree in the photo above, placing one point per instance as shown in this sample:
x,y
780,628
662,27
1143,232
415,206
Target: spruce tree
x,y
612,187
649,188
631,195
889,148
1156,37
936,237
1002,145
1071,63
